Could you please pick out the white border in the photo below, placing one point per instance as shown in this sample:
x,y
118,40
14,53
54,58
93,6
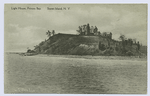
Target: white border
x,y
2,2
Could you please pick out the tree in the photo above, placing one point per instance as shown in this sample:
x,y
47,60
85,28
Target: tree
x,y
40,44
29,50
122,37
108,42
36,46
95,29
53,32
48,33
110,35
80,30
130,41
88,29
138,45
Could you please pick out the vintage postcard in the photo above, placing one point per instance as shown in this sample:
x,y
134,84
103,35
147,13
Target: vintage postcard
x,y
75,48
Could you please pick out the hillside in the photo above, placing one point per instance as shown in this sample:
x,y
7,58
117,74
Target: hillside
x,y
67,44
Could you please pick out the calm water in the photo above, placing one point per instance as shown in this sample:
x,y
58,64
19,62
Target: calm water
x,y
36,74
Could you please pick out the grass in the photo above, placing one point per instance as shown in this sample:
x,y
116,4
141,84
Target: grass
x,y
59,74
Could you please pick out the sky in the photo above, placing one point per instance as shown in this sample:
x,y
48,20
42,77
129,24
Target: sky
x,y
26,28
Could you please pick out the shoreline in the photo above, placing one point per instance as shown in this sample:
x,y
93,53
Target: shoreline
x,y
139,58
97,57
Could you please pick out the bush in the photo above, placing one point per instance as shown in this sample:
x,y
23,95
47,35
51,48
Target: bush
x,y
129,53
30,51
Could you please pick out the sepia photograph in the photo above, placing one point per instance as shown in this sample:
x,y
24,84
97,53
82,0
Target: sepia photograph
x,y
75,48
